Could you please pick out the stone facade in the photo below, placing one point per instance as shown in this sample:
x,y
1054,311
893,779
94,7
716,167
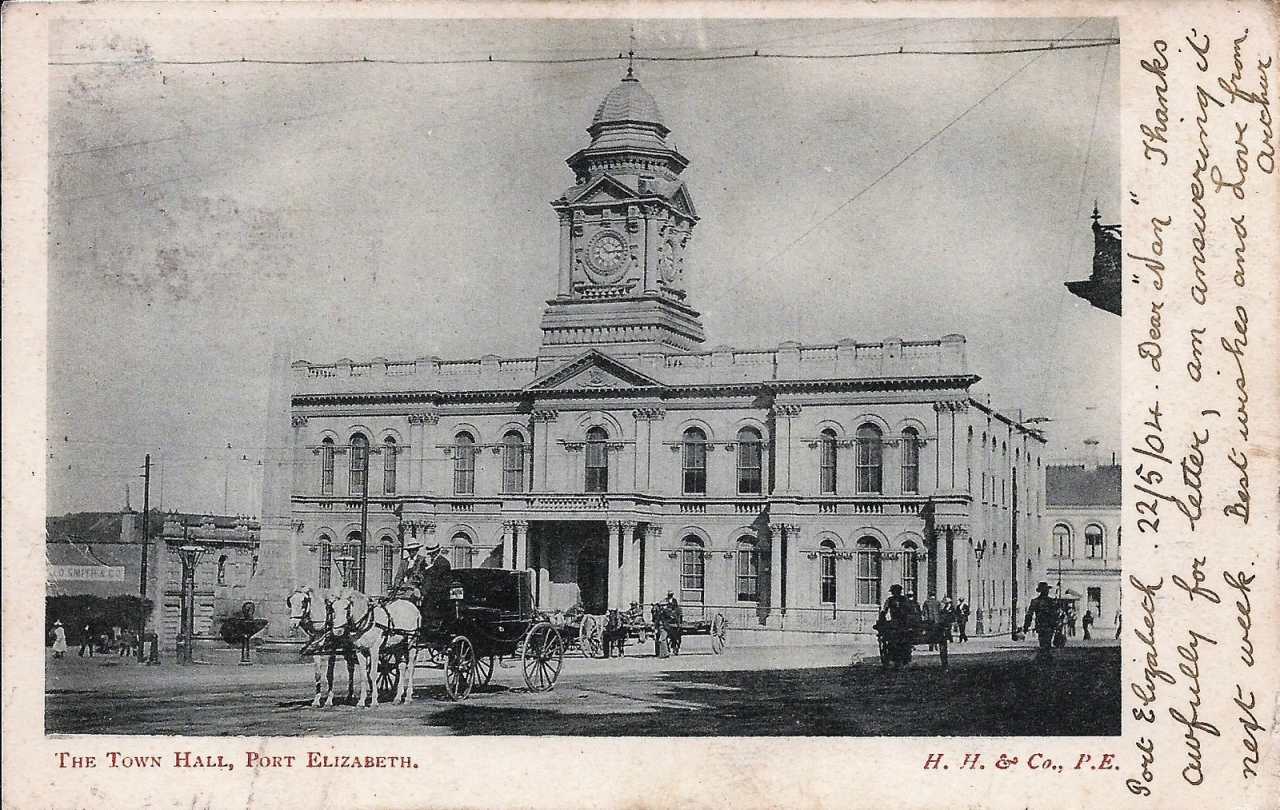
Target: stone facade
x,y
787,487
223,574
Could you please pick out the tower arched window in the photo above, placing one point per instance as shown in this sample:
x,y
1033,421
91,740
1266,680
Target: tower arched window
x,y
389,456
692,570
359,464
750,461
827,462
910,461
326,561
513,462
464,553
464,463
868,571
597,460
869,440
1093,540
1062,540
326,466
694,461
357,565
748,571
827,572
910,568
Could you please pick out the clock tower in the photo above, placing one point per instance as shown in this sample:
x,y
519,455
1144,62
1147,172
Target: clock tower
x,y
625,227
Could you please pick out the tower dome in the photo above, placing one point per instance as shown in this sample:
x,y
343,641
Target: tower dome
x,y
628,102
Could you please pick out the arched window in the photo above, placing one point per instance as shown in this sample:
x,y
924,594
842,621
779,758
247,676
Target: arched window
x,y
692,570
359,464
597,460
1093,540
388,563
326,561
513,462
827,462
869,441
464,554
750,461
357,565
694,448
827,572
910,568
1062,540
326,466
464,463
748,571
910,461
222,569
389,456
868,573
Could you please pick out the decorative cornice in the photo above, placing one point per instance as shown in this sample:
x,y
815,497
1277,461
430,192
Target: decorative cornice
x,y
951,405
424,418
649,414
298,420
787,411
545,415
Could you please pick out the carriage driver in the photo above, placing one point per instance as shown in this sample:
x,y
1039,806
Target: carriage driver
x,y
413,569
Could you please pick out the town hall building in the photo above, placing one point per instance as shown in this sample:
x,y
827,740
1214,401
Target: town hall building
x,y
787,487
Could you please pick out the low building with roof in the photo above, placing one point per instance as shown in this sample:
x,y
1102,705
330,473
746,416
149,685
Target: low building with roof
x,y
1081,557
787,487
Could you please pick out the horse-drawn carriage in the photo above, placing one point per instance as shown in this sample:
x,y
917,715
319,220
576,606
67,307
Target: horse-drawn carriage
x,y
716,627
486,616
896,639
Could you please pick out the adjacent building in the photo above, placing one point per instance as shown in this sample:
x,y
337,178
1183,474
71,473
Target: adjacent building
x,y
1082,560
785,486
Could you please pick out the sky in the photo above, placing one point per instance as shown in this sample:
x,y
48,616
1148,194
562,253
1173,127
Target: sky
x,y
200,213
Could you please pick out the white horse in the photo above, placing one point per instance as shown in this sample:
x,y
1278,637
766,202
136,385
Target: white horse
x,y
303,616
372,627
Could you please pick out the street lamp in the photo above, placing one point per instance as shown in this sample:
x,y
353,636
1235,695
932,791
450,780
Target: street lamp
x,y
344,564
980,548
190,558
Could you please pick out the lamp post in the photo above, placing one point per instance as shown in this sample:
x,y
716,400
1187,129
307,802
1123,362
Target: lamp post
x,y
190,558
344,564
980,548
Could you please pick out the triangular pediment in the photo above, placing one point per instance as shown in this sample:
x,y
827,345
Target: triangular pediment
x,y
605,189
592,370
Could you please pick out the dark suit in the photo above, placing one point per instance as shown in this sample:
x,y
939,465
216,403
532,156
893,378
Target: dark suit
x,y
434,586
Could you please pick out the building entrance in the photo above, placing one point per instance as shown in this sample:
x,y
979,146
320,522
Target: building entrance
x,y
593,575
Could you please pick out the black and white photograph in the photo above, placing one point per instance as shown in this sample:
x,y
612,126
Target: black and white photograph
x,y
702,377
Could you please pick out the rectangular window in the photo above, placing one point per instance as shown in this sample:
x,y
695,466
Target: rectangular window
x,y
388,566
463,556
750,458
695,468
597,467
513,466
389,456
464,470
692,575
869,465
326,565
828,578
748,575
868,577
827,466
326,469
359,468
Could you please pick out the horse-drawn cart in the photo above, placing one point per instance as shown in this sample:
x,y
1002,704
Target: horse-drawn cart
x,y
716,627
896,639
487,615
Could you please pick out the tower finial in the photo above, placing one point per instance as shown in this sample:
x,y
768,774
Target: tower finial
x,y
631,54
1096,215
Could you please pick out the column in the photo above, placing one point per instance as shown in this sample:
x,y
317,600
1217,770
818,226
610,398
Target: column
x,y
651,540
630,566
776,531
652,227
563,285
613,538
797,589
520,544
508,544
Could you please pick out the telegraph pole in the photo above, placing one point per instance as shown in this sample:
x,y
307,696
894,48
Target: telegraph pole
x,y
364,523
146,536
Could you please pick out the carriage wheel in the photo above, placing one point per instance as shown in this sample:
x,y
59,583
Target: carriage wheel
x,y
459,668
719,633
388,675
543,656
484,670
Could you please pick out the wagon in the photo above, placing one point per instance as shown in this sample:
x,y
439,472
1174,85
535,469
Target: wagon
x,y
895,642
488,615
716,627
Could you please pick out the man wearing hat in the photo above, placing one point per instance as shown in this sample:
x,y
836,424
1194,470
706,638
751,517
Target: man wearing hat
x,y
413,569
1045,612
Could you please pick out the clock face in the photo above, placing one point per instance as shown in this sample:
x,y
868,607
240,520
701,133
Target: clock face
x,y
607,253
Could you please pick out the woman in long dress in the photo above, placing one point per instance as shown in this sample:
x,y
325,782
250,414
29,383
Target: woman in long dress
x,y
59,639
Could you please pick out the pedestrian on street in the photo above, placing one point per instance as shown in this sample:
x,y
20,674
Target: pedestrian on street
x,y
1046,615
86,640
931,613
962,619
1071,621
1087,623
948,617
1117,622
59,639
675,622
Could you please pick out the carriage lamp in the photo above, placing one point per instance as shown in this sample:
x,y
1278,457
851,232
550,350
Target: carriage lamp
x,y
456,592
190,556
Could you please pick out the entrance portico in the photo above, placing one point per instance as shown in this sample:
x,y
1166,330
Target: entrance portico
x,y
598,564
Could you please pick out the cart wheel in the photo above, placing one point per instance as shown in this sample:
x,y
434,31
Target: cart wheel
x,y
388,675
484,670
543,657
589,638
719,633
942,651
459,668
